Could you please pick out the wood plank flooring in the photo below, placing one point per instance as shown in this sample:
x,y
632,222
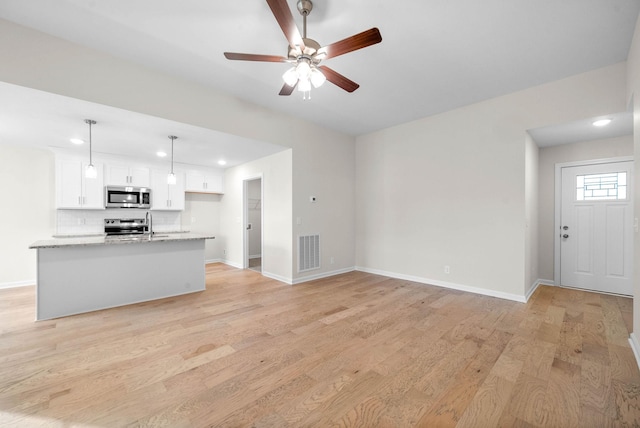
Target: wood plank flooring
x,y
351,350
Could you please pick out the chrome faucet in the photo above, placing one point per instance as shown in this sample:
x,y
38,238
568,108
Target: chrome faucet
x,y
149,221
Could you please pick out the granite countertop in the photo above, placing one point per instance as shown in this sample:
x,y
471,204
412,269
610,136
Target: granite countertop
x,y
117,240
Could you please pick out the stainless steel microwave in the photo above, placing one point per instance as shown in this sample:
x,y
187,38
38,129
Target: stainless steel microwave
x,y
127,197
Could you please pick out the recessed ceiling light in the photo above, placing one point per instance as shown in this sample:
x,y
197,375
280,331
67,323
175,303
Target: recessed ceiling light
x,y
77,141
222,162
161,154
602,122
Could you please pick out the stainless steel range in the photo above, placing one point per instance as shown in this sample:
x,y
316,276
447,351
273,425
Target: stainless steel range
x,y
121,227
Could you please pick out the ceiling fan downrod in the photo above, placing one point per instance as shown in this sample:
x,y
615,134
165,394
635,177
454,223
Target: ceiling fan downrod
x,y
304,7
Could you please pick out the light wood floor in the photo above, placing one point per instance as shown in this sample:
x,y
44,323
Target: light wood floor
x,y
352,350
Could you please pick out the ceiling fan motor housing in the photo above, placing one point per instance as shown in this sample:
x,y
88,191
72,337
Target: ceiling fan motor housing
x,y
310,49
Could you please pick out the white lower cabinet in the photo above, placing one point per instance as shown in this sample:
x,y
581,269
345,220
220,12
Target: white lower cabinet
x,y
74,190
164,196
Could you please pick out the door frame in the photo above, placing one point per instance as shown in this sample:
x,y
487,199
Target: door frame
x,y
245,218
558,205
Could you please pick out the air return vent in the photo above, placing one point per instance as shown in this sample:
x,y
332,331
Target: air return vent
x,y
308,252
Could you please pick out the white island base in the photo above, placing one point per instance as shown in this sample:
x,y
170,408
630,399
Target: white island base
x,y
83,278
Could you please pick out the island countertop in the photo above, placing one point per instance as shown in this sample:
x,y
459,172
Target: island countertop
x,y
117,240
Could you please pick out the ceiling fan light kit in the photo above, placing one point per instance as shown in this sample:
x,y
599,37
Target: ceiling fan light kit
x,y
306,54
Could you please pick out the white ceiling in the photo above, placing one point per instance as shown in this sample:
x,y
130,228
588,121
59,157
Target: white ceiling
x,y
435,55
36,118
583,130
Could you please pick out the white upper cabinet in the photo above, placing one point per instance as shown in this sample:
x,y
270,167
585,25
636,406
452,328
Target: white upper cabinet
x,y
164,196
126,175
74,190
204,181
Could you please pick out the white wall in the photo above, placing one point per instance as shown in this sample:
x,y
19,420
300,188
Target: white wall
x,y
633,95
322,160
450,189
276,173
202,215
26,213
549,156
531,192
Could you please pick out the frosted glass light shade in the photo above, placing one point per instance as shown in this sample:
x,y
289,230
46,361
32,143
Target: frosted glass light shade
x,y
317,78
304,70
290,76
91,171
171,178
304,85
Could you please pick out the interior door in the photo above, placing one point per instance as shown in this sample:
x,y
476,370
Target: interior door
x,y
596,231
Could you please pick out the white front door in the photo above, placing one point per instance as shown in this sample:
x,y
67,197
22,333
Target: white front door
x,y
596,229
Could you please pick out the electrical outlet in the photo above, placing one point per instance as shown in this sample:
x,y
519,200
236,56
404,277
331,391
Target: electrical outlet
x,y
193,219
224,251
447,269
331,260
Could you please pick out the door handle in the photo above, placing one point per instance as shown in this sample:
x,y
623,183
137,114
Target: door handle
x,y
565,227
565,236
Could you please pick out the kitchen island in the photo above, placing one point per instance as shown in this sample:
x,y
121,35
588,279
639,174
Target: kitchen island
x,y
84,274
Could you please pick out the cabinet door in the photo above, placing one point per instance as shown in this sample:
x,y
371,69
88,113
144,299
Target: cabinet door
x,y
214,184
68,183
139,176
159,190
195,181
176,193
166,197
117,175
93,188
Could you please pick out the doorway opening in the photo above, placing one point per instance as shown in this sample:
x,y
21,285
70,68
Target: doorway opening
x,y
253,202
594,225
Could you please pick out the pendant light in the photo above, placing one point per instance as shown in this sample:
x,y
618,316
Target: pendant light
x,y
91,171
171,178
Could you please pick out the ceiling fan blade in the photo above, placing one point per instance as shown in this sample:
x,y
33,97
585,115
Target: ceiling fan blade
x,y
350,44
338,79
284,17
287,90
252,57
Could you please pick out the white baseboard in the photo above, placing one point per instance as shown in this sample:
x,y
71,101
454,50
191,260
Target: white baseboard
x,y
277,277
232,264
635,346
535,285
323,275
255,256
206,262
17,284
451,285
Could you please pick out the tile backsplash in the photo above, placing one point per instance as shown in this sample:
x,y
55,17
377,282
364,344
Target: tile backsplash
x,y
91,222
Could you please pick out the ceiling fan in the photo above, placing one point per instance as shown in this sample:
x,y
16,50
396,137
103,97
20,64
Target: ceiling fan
x,y
306,54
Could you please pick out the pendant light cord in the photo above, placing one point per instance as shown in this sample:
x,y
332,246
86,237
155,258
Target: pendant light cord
x,y
173,137
90,122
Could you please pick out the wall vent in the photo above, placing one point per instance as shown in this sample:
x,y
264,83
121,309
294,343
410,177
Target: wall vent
x,y
308,252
